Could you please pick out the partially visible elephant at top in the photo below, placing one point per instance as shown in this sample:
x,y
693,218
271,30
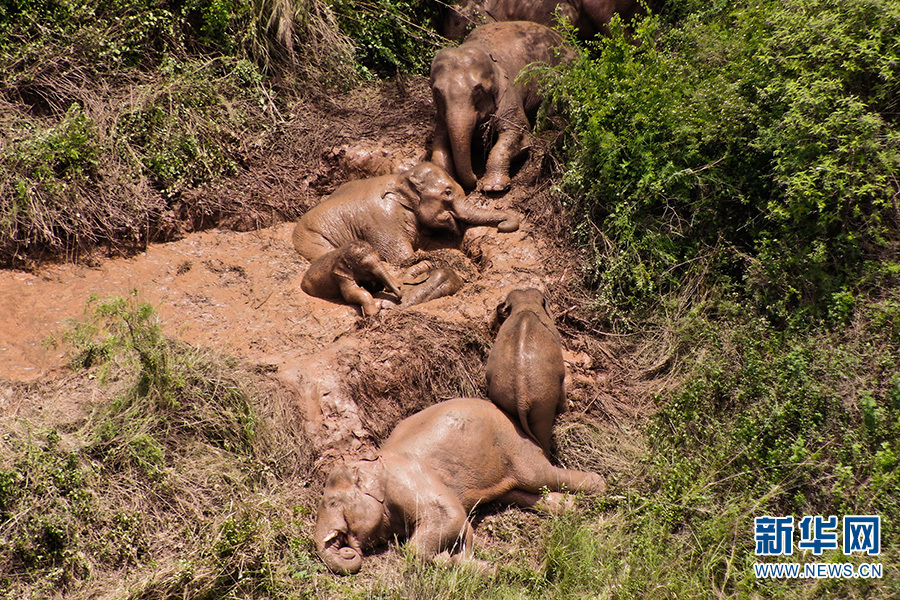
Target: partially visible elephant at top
x,y
589,17
392,213
474,84
436,467
525,371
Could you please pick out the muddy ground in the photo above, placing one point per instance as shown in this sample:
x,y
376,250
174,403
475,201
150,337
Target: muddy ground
x,y
352,378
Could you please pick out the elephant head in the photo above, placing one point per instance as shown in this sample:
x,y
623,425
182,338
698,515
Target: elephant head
x,y
351,517
440,203
465,88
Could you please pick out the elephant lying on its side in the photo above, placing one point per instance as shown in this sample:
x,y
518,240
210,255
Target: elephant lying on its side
x,y
392,213
525,370
431,472
344,272
475,84
589,17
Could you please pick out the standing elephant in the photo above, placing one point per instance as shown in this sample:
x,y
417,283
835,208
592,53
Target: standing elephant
x,y
475,84
392,213
347,273
431,472
525,369
589,17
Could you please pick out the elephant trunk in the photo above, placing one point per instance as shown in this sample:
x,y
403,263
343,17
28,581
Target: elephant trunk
x,y
460,128
385,278
336,551
469,213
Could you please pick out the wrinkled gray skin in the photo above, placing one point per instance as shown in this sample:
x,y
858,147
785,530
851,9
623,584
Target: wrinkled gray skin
x,y
588,16
342,273
431,472
525,370
392,213
474,84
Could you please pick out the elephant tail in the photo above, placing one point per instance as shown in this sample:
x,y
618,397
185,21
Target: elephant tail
x,y
526,427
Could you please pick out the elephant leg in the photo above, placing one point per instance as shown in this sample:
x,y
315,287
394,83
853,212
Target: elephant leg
x,y
553,503
441,525
508,147
352,293
441,152
440,282
533,472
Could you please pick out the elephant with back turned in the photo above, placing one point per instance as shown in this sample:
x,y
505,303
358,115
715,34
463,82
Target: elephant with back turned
x,y
436,466
475,84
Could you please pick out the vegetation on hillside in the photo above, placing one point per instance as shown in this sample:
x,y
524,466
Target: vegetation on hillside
x,y
730,173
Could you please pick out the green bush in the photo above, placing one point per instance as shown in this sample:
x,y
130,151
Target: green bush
x,y
712,150
391,36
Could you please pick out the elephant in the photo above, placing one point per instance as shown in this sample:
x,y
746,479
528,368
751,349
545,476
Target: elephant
x,y
525,370
589,17
436,466
347,273
392,213
475,83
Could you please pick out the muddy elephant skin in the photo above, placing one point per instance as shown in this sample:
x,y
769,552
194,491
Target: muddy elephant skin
x,y
392,213
474,84
431,472
589,17
345,272
525,370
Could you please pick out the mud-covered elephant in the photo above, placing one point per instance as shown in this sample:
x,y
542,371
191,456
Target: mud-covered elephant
x,y
431,472
589,17
392,213
351,272
525,371
475,84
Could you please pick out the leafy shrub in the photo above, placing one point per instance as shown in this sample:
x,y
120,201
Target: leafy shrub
x,y
710,150
391,35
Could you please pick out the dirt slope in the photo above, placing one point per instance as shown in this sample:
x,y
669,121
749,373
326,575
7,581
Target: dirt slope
x,y
239,292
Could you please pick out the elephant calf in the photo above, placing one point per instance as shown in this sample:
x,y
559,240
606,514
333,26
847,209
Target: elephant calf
x,y
525,370
431,472
346,272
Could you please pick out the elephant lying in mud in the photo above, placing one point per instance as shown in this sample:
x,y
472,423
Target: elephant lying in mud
x,y
431,472
351,272
525,370
392,213
475,84
589,17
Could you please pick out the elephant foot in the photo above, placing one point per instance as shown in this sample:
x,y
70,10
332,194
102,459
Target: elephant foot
x,y
480,567
438,283
498,182
555,503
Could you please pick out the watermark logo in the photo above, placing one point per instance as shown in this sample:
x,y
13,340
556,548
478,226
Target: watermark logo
x,y
774,536
862,533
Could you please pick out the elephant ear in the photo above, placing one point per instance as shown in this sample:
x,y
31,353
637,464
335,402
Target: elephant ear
x,y
370,477
404,193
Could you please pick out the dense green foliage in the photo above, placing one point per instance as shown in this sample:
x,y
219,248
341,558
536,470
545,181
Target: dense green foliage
x,y
753,146
391,36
